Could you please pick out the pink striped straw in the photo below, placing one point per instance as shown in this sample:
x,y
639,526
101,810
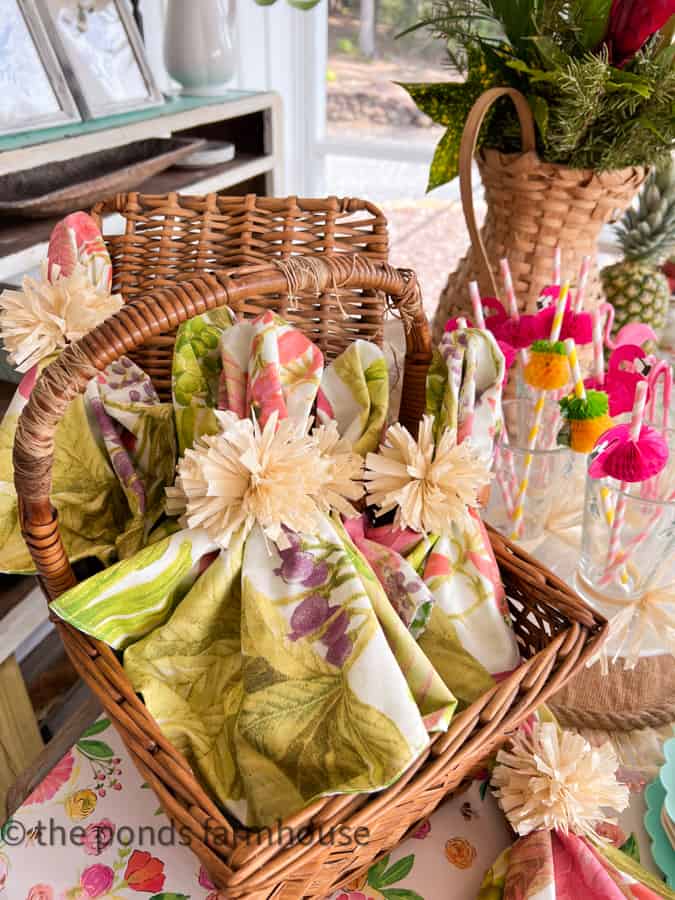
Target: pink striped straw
x,y
620,512
581,284
661,370
508,485
635,541
598,347
511,302
557,264
476,305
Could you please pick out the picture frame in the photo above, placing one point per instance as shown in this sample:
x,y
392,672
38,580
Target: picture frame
x,y
34,92
101,52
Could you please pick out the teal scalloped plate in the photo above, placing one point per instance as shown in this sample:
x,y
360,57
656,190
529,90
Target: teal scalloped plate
x,y
667,776
659,793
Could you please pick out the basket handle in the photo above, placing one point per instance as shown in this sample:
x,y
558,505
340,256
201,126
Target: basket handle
x,y
467,150
163,310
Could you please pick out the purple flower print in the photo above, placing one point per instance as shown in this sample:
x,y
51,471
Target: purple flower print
x,y
308,616
399,592
336,628
298,565
339,651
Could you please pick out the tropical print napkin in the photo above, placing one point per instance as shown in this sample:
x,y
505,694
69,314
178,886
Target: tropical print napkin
x,y
553,865
279,667
447,585
114,454
464,387
115,447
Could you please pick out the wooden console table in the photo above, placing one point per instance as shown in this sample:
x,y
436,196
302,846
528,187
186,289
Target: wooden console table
x,y
252,122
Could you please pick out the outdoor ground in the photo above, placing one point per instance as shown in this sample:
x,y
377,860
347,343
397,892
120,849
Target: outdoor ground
x,y
364,102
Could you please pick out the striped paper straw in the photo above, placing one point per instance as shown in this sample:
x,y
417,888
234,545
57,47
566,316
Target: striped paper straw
x,y
580,391
577,379
598,348
476,305
504,483
619,514
557,264
511,302
635,541
582,283
519,503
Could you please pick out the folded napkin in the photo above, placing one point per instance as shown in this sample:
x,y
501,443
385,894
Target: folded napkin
x,y
115,447
464,388
556,791
258,635
435,560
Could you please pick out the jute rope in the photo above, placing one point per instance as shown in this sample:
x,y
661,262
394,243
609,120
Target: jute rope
x,y
299,269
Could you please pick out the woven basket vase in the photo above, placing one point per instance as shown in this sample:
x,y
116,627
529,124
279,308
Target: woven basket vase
x,y
334,298
532,207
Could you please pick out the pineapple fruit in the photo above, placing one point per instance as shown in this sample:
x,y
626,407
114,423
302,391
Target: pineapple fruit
x,y
636,287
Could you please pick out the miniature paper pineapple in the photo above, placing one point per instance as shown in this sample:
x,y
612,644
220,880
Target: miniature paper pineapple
x,y
636,288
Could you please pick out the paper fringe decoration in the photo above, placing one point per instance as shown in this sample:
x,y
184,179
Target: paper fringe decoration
x,y
278,477
430,485
551,779
617,456
44,316
547,368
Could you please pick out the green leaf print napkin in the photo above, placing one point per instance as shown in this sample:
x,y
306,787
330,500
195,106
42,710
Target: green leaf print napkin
x,y
114,453
279,668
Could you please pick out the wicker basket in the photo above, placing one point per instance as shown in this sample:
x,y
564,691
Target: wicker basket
x,y
555,630
172,238
532,207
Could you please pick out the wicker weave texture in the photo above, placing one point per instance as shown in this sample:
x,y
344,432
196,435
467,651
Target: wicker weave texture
x,y
167,239
555,630
532,207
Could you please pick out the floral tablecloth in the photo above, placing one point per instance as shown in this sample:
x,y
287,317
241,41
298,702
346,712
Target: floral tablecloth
x,y
93,829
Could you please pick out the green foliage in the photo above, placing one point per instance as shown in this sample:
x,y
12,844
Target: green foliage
x,y
557,347
448,103
593,406
345,45
589,113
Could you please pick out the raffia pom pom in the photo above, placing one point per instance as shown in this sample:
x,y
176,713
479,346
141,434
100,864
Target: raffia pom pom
x,y
342,470
277,477
547,368
617,456
550,779
588,417
45,315
429,484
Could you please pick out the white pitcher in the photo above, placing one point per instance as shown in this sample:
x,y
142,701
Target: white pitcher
x,y
199,45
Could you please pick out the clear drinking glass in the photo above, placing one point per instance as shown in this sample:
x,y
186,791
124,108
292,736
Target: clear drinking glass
x,y
632,561
553,499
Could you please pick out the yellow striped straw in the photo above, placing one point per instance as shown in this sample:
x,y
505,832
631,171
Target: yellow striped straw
x,y
579,388
519,503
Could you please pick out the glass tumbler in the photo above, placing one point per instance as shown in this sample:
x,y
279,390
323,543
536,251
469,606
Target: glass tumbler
x,y
555,482
627,560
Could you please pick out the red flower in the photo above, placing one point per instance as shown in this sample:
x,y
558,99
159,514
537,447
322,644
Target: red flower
x,y
144,872
632,23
